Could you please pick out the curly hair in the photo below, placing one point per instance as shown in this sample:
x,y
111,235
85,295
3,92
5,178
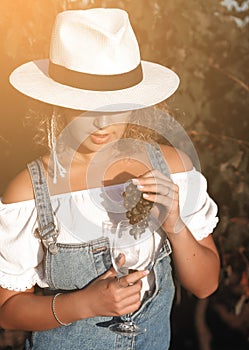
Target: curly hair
x,y
39,117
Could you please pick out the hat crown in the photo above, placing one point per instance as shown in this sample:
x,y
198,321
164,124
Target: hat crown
x,y
95,41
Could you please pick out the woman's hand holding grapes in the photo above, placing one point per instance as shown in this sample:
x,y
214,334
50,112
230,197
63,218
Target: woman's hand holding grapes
x,y
158,188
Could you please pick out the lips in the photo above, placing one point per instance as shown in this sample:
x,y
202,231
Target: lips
x,y
99,138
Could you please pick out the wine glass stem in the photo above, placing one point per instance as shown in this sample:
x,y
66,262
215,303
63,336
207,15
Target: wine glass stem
x,y
128,319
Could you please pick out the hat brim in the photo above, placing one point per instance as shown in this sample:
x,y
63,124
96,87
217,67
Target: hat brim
x,y
158,84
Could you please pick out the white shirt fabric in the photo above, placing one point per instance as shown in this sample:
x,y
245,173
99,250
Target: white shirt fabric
x,y
79,218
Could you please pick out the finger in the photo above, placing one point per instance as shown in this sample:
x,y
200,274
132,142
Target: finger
x,y
120,260
155,173
131,303
163,189
166,189
161,199
128,289
134,277
109,274
141,182
121,283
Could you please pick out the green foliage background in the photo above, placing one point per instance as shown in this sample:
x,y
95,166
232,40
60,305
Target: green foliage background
x,y
201,41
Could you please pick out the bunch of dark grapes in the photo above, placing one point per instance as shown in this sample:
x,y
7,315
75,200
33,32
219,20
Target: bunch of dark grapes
x,y
138,209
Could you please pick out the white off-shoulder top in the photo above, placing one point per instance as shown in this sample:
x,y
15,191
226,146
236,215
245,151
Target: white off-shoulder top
x,y
79,217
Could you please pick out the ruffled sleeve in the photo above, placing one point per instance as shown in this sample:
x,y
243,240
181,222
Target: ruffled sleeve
x,y
198,210
21,252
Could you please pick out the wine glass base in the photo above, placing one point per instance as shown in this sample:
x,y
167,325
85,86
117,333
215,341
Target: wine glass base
x,y
127,329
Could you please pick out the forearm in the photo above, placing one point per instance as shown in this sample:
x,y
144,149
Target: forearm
x,y
32,312
102,297
197,263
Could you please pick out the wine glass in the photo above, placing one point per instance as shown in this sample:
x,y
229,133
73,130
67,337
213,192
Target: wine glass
x,y
107,229
139,253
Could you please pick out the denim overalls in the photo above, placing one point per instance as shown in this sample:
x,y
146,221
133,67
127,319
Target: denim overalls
x,y
70,267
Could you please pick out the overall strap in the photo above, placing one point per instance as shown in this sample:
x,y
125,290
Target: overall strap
x,y
46,222
157,159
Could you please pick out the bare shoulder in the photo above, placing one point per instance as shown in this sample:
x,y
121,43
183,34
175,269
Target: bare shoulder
x,y
19,189
177,160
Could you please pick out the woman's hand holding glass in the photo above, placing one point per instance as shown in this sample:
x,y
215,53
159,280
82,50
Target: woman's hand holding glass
x,y
108,297
131,254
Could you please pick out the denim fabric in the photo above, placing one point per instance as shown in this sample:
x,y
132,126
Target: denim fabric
x,y
73,266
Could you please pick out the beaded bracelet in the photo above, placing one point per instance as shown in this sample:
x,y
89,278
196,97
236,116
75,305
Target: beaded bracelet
x,y
54,312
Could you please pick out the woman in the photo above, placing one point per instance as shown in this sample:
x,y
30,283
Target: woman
x,y
52,212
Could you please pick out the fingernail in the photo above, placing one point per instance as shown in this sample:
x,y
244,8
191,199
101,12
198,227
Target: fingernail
x,y
145,195
146,272
135,181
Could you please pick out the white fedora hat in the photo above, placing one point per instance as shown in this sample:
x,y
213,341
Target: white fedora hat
x,y
95,64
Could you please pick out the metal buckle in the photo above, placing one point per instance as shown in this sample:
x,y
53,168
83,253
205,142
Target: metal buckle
x,y
46,230
49,239
168,248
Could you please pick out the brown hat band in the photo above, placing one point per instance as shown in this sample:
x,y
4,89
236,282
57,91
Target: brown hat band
x,y
95,82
